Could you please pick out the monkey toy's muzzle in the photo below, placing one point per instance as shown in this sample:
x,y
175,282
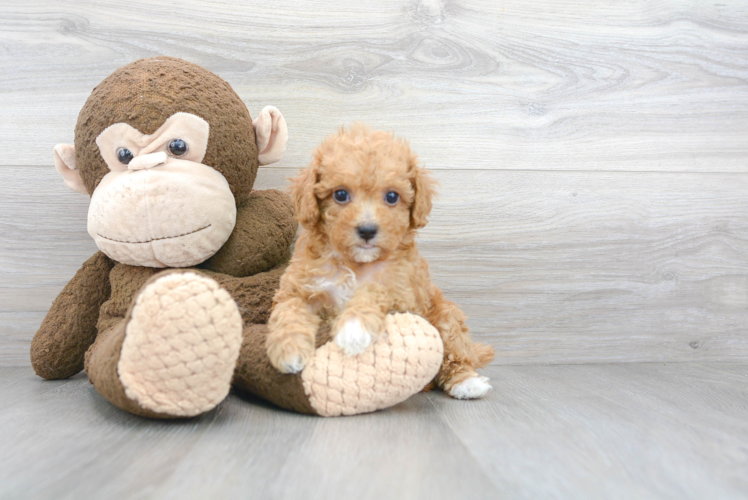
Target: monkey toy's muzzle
x,y
173,214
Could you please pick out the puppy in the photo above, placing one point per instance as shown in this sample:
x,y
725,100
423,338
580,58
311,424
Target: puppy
x,y
360,203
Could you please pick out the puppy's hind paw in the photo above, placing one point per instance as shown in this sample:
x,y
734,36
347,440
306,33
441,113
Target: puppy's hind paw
x,y
353,337
472,388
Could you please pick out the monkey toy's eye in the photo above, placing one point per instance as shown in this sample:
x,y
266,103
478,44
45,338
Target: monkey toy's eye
x,y
124,156
341,196
177,147
391,198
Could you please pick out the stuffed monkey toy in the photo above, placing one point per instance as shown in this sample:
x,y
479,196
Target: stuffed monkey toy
x,y
171,312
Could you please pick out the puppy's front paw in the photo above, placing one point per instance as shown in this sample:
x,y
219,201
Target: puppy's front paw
x,y
292,364
472,388
353,337
289,355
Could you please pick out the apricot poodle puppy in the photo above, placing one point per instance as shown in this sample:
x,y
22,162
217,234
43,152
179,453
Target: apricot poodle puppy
x,y
360,203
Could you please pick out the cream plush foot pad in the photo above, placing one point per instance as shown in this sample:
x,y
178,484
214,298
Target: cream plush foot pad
x,y
396,366
181,345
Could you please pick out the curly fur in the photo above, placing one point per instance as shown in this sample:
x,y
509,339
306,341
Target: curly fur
x,y
335,277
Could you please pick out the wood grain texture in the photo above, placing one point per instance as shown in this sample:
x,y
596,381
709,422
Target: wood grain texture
x,y
551,267
592,156
65,441
675,431
550,84
610,431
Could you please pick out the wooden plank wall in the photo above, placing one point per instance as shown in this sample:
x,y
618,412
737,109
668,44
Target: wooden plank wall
x,y
592,155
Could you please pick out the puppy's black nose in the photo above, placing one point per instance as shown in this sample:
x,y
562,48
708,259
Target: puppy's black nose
x,y
367,231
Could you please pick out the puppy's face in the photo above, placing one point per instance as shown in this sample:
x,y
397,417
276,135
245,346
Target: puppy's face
x,y
365,207
365,192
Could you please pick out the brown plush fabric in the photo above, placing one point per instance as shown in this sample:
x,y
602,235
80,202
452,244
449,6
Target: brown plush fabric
x,y
253,294
70,326
126,282
255,374
145,93
265,229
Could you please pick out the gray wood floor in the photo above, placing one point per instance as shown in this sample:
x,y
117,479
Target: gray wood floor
x,y
595,431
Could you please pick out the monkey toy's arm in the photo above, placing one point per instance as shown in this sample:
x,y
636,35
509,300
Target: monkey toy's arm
x,y
262,238
265,225
69,328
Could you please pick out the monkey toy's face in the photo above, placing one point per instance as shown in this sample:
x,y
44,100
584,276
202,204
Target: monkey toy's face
x,y
164,185
159,205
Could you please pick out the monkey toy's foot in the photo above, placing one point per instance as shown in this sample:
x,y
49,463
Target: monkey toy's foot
x,y
181,345
400,363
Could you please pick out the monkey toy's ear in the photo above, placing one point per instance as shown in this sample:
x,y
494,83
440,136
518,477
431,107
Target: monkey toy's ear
x,y
65,164
271,134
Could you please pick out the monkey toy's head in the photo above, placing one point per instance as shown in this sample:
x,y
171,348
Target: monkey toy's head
x,y
167,151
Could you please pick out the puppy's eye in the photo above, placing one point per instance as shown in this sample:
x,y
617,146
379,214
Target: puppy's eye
x,y
341,196
391,198
177,147
124,156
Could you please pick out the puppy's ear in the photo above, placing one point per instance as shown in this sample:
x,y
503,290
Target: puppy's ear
x,y
302,193
425,188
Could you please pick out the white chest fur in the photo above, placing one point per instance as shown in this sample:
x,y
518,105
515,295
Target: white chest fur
x,y
340,283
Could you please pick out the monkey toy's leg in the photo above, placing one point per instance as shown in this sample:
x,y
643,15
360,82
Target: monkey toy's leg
x,y
168,349
398,364
70,325
174,353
